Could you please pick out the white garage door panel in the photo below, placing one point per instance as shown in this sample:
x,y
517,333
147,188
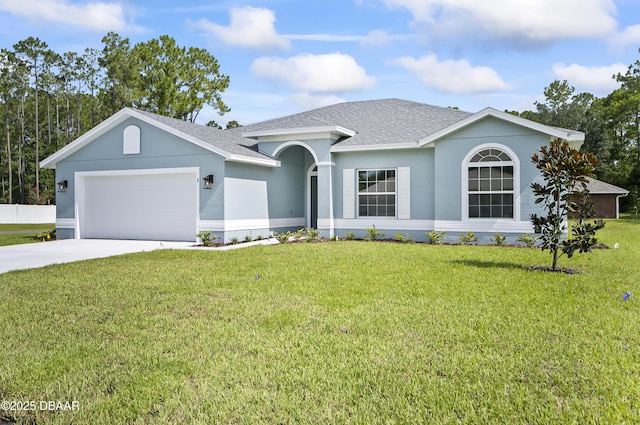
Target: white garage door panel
x,y
156,207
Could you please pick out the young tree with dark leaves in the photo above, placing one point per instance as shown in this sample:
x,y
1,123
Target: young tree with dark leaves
x,y
564,171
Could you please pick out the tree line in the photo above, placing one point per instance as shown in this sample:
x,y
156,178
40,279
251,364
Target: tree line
x,y
611,125
49,99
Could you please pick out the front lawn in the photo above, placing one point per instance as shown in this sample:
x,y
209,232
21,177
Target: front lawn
x,y
14,234
337,332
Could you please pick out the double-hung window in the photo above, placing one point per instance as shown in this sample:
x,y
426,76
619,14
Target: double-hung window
x,y
490,184
377,193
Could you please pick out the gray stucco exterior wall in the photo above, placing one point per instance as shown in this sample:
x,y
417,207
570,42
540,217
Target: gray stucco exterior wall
x,y
451,151
158,150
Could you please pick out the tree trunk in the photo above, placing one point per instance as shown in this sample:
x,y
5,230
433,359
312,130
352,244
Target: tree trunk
x,y
57,123
79,108
21,176
554,266
6,121
48,120
37,166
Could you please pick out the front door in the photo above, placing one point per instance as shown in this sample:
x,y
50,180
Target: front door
x,y
313,192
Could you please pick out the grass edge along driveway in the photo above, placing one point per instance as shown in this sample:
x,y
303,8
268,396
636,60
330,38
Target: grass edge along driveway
x,y
14,234
346,332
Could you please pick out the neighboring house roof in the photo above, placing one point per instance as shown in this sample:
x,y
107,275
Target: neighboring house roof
x,y
363,125
597,187
226,144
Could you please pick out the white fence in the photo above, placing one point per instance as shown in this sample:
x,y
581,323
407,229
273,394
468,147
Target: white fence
x,y
27,214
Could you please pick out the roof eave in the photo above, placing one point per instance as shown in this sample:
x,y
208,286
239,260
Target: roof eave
x,y
126,113
85,139
573,137
335,130
360,148
625,193
266,162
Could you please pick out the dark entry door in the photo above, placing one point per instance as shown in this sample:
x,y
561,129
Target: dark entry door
x,y
314,201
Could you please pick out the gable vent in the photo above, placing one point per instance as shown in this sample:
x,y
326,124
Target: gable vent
x,y
131,140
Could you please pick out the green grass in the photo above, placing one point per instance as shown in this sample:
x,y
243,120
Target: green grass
x,y
26,227
339,332
20,237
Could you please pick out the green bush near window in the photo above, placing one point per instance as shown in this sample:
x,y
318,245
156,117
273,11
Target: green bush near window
x,y
499,239
468,238
527,239
373,234
436,238
402,238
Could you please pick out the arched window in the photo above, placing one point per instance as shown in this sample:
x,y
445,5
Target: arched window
x,y
490,184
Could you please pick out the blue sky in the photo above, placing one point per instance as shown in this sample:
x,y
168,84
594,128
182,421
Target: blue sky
x,y
285,56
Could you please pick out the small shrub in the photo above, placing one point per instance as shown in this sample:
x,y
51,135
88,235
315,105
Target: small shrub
x,y
312,234
373,234
349,236
282,237
234,240
248,238
334,238
259,237
206,237
47,235
499,239
436,238
298,234
527,239
402,238
468,238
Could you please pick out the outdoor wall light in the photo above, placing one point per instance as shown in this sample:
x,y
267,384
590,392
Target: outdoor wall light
x,y
62,186
208,182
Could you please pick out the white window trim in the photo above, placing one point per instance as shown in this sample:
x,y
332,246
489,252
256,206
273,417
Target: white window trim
x,y
357,193
466,162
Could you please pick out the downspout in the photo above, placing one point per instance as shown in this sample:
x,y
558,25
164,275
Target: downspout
x,y
618,204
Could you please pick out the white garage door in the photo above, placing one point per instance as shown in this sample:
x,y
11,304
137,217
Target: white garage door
x,y
152,207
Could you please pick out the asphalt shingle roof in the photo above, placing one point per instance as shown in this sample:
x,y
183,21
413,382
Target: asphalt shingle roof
x,y
384,121
375,122
599,187
226,140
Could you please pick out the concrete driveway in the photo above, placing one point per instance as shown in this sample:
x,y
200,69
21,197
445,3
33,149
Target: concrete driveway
x,y
28,256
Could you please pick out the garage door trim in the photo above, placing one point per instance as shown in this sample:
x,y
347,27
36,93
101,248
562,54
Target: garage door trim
x,y
79,191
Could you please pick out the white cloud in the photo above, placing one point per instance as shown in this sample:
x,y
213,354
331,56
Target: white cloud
x,y
249,27
598,78
452,76
375,38
335,72
629,37
311,101
378,38
528,20
331,38
97,16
